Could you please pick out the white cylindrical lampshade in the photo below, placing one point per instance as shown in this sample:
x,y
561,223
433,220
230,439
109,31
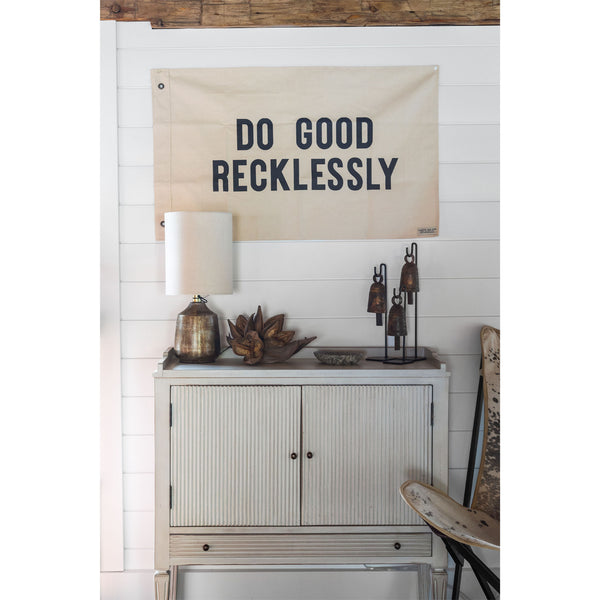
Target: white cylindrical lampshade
x,y
198,253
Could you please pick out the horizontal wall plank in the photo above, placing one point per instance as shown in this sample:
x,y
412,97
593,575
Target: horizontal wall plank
x,y
317,299
469,182
456,483
469,586
344,260
138,416
136,375
135,107
438,258
143,262
138,492
146,339
458,64
457,143
462,411
136,185
138,530
459,443
136,146
447,334
458,182
141,35
136,224
127,585
464,369
469,143
138,454
138,559
469,104
488,556
470,220
458,220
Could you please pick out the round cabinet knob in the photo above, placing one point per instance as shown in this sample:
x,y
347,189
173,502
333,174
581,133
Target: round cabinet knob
x,y
397,545
206,547
309,455
293,456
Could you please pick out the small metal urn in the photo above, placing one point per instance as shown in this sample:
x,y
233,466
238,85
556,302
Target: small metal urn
x,y
397,320
409,278
377,301
197,337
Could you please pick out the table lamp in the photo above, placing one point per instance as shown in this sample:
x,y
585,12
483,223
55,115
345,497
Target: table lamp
x,y
198,260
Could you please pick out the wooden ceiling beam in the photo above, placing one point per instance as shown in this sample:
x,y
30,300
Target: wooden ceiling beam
x,y
174,14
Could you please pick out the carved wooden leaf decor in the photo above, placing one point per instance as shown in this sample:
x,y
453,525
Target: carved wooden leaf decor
x,y
259,340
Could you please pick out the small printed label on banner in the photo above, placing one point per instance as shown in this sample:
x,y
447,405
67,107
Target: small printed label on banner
x,y
427,230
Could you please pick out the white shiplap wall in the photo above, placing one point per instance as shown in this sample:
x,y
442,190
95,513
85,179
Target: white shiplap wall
x,y
322,286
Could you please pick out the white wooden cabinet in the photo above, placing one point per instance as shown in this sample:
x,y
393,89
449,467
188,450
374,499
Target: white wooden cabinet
x,y
296,463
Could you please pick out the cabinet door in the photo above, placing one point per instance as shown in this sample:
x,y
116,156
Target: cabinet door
x,y
365,441
231,455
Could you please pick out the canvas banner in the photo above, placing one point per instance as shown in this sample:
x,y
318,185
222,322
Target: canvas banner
x,y
306,153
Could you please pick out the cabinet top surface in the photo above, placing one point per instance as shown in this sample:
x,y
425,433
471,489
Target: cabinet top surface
x,y
303,365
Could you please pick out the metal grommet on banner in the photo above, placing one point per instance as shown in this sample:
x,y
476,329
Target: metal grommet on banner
x,y
161,86
162,223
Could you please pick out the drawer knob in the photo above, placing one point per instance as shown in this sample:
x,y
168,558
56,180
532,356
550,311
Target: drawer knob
x,y
309,455
397,545
293,456
206,547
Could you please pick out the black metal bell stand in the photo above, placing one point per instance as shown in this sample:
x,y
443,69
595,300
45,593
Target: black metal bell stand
x,y
409,287
378,278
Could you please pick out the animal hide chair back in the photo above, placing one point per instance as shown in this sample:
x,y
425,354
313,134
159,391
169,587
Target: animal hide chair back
x,y
476,523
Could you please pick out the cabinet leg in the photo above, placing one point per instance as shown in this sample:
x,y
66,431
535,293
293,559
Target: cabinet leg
x,y
424,581
439,579
161,585
173,583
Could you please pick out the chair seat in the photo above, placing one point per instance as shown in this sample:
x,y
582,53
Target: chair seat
x,y
472,527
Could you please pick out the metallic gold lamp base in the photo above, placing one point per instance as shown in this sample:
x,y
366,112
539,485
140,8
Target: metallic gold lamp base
x,y
197,338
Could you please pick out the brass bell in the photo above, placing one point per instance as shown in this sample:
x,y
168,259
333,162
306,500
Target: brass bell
x,y
397,320
377,300
409,278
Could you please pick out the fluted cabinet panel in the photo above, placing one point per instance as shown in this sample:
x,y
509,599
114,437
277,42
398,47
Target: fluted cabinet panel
x,y
365,441
231,450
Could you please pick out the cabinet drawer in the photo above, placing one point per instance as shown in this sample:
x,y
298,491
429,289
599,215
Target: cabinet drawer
x,y
189,549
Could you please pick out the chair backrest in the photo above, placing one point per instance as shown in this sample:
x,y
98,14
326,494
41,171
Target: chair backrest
x,y
487,489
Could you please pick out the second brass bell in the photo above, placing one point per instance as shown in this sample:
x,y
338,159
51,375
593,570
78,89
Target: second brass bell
x,y
397,321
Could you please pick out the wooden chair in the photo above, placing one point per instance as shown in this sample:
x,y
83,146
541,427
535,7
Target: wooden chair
x,y
477,521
